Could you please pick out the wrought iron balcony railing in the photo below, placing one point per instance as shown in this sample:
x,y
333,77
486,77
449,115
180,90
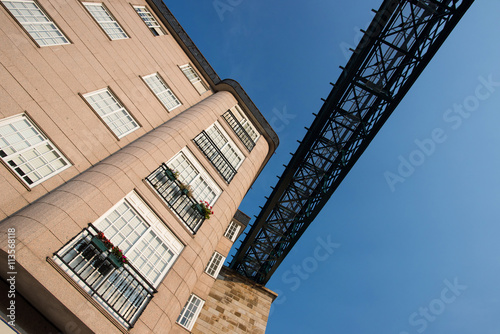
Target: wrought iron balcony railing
x,y
215,156
177,197
118,287
240,131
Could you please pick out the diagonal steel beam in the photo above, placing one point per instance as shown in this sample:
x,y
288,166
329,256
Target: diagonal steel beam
x,y
400,41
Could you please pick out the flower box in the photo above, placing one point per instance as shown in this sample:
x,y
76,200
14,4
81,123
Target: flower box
x,y
98,244
198,207
204,209
170,174
115,256
185,189
116,262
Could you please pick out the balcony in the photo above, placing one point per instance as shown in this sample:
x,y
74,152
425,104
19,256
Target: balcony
x,y
177,197
118,287
215,156
239,130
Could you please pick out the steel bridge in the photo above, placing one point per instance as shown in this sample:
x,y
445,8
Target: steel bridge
x,y
400,41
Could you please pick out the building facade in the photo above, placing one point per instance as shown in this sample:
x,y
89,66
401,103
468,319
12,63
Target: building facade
x,y
124,160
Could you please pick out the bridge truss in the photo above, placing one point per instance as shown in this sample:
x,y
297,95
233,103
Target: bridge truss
x,y
400,41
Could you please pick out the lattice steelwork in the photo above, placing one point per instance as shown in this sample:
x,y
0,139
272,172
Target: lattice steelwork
x,y
400,41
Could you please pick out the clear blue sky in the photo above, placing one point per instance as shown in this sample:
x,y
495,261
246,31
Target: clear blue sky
x,y
420,257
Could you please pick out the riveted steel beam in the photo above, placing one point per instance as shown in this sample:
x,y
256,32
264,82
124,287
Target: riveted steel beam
x,y
400,41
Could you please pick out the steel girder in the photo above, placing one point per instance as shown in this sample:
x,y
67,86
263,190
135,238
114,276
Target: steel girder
x,y
400,41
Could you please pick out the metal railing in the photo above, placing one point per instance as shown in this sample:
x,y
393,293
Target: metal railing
x,y
177,197
215,156
240,131
119,287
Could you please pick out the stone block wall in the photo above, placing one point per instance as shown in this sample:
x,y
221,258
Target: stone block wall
x,y
235,305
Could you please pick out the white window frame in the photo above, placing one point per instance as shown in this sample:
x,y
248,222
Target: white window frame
x,y
194,78
107,118
155,225
31,152
202,174
245,122
232,231
172,102
104,24
190,319
215,264
229,143
44,27
150,20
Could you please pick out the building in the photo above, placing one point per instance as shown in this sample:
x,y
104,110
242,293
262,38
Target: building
x,y
124,160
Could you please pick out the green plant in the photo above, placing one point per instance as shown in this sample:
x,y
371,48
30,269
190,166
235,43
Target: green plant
x,y
172,173
119,254
113,249
186,189
104,240
205,209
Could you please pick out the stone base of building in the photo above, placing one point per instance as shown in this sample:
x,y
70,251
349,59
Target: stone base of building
x,y
235,305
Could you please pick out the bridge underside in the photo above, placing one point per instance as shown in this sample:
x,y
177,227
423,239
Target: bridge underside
x,y
400,41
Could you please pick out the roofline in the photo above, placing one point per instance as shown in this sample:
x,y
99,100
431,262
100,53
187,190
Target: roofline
x,y
213,79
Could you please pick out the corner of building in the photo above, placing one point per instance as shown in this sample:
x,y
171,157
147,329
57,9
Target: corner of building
x,y
235,304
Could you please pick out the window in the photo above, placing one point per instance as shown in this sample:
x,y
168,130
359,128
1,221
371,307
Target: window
x,y
191,173
112,112
232,231
183,191
150,20
124,290
105,20
243,128
220,150
225,145
33,19
247,125
161,90
142,236
190,312
215,264
195,79
28,152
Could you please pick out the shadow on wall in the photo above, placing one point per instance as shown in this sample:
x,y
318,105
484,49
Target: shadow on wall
x,y
29,292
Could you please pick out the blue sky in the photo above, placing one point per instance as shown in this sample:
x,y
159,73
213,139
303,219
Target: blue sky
x,y
420,256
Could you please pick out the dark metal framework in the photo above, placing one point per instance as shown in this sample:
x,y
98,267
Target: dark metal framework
x,y
215,156
400,41
177,196
239,130
122,289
